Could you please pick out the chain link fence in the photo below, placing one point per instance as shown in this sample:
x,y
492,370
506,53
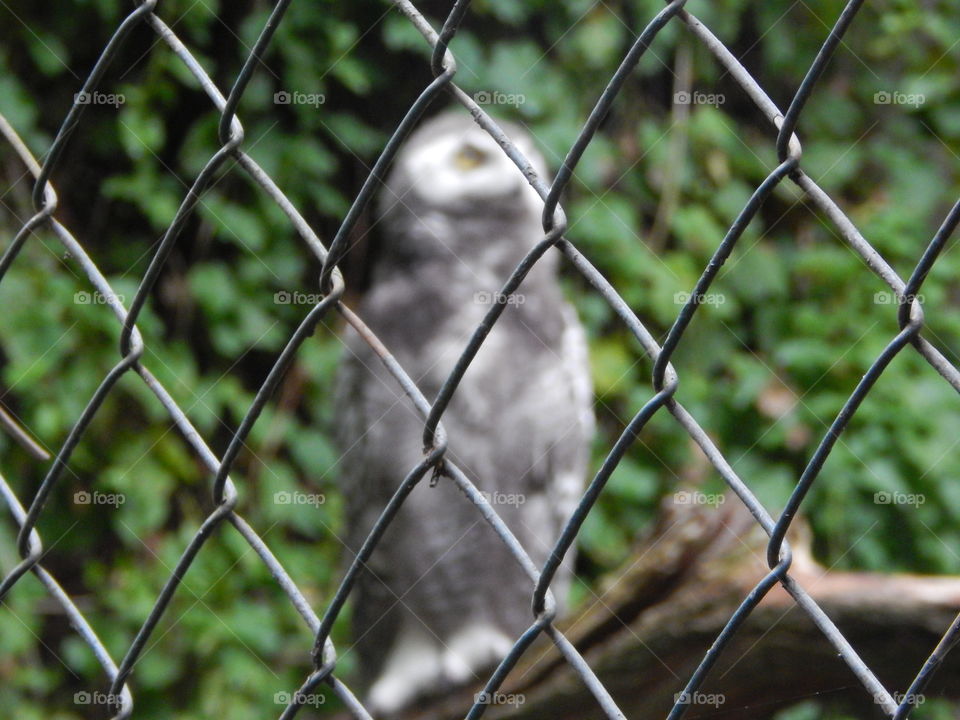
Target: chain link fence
x,y
26,511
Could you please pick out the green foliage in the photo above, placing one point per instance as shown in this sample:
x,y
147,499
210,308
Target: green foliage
x,y
765,367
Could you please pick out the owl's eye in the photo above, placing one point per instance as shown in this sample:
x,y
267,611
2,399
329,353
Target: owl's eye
x,y
469,157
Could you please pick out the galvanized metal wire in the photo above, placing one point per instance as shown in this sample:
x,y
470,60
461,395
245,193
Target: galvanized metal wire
x,y
435,461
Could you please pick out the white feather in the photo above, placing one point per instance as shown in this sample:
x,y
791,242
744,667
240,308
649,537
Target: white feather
x,y
472,649
413,665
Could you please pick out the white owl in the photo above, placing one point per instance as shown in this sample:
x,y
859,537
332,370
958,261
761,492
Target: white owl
x,y
442,598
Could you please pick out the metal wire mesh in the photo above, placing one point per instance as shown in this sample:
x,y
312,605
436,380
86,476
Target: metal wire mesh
x,y
665,379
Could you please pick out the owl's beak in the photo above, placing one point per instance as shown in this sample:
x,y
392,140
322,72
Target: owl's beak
x,y
469,157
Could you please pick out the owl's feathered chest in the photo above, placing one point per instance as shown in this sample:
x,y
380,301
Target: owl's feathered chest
x,y
421,311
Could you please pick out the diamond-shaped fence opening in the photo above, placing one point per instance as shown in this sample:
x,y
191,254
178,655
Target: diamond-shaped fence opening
x,y
26,506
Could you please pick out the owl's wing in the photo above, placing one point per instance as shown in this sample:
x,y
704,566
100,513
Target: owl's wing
x,y
570,477
567,411
350,430
374,618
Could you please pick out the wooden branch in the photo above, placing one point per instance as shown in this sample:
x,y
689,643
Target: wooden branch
x,y
650,627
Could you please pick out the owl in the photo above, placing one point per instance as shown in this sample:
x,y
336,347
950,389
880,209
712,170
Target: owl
x,y
442,599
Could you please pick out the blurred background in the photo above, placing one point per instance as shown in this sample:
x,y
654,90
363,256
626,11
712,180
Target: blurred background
x,y
797,316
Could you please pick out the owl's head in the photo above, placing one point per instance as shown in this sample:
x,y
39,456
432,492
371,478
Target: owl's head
x,y
451,164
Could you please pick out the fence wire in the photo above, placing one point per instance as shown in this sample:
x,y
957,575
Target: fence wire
x,y
435,460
